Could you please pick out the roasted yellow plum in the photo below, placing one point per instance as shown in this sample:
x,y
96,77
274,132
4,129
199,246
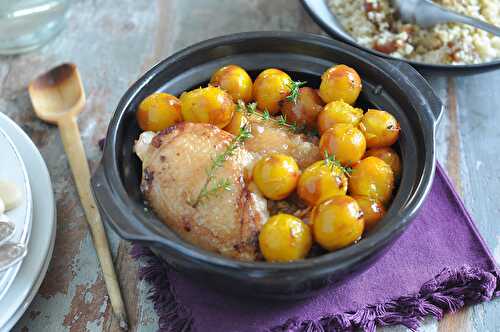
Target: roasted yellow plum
x,y
373,210
304,110
285,238
373,178
337,222
338,112
270,88
389,156
345,142
208,105
276,175
380,128
159,111
237,122
235,81
321,180
340,83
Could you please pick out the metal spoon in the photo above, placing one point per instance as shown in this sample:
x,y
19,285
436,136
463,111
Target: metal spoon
x,y
426,14
10,254
7,229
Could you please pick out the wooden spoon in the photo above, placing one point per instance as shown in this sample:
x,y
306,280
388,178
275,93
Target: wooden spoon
x,y
58,97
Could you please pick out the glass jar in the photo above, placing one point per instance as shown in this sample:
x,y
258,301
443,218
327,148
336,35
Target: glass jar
x,y
28,24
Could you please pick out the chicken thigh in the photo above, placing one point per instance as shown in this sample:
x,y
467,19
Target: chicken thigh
x,y
175,164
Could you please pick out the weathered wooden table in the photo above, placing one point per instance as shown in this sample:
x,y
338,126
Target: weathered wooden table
x,y
113,43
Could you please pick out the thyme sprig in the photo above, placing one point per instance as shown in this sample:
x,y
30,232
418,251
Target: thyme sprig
x,y
251,109
218,185
211,188
332,162
294,87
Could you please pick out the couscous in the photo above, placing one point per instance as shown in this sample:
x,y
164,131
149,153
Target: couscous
x,y
374,24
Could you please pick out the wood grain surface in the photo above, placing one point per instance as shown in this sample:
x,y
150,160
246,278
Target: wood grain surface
x,y
113,43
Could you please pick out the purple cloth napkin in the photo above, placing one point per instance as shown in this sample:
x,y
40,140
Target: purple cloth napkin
x,y
439,264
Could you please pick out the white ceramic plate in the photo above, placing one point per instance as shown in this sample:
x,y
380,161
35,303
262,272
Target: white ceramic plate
x,y
33,268
12,168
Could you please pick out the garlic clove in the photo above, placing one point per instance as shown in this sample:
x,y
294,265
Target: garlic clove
x,y
142,144
10,194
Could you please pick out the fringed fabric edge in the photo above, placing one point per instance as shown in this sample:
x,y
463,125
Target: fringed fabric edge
x,y
172,315
449,291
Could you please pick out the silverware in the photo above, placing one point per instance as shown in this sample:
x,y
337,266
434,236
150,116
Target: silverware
x,y
10,254
426,14
7,229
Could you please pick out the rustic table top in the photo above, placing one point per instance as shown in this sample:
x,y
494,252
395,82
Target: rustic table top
x,y
113,43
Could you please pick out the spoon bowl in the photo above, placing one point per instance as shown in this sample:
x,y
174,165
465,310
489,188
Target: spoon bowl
x,y
58,93
426,14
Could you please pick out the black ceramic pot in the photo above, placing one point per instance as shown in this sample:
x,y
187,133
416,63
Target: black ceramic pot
x,y
395,87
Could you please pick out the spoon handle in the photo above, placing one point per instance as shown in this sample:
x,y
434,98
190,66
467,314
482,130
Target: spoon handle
x,y
451,16
70,135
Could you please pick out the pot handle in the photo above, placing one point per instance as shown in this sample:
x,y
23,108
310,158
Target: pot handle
x,y
436,104
112,211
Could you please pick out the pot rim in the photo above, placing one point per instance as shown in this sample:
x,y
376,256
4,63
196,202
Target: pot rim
x,y
108,178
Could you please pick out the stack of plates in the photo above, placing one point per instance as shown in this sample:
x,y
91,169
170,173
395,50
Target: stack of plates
x,y
14,170
35,221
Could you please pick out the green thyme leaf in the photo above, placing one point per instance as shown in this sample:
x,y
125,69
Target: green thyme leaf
x,y
331,162
251,109
218,162
294,90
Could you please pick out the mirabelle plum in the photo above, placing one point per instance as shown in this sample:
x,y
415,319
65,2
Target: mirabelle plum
x,y
285,238
389,156
276,175
305,110
208,105
345,142
340,83
380,128
337,222
338,112
321,180
270,88
158,111
372,177
237,122
373,210
234,80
